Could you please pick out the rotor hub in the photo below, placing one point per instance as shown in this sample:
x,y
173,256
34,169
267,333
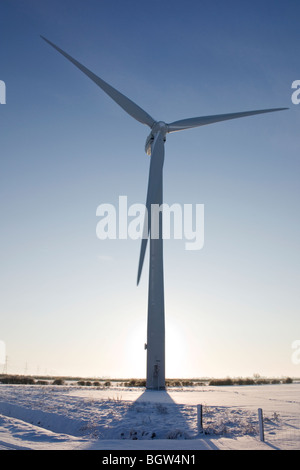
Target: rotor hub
x,y
159,126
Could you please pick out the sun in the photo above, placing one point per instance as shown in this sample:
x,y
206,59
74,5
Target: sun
x,y
176,350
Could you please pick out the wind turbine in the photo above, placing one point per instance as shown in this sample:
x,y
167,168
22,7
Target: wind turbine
x,y
155,148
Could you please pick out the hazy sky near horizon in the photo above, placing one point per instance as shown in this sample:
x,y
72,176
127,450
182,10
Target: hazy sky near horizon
x,y
69,301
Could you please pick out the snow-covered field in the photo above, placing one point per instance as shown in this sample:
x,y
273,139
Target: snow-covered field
x,y
72,417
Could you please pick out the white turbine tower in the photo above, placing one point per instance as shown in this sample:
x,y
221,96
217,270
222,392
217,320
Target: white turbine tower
x,y
155,148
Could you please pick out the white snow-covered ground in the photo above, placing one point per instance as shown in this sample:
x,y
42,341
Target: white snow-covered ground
x,y
46,417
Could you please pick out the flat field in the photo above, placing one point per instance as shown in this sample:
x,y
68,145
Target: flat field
x,y
115,417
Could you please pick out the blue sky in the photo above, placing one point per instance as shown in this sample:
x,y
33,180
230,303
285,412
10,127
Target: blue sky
x,y
69,302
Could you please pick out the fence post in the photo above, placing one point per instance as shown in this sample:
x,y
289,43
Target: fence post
x,y
199,419
261,425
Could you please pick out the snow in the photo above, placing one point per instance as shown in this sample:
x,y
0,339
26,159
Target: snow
x,y
70,417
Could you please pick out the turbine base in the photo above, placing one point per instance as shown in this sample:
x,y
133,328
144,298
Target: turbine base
x,y
155,389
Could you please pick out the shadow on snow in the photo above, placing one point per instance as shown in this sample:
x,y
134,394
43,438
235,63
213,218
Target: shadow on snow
x,y
155,415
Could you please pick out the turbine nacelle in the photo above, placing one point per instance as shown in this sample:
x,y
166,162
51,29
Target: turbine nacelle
x,y
158,126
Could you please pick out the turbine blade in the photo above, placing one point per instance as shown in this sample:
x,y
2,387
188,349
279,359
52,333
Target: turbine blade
x,y
154,182
142,257
129,106
203,120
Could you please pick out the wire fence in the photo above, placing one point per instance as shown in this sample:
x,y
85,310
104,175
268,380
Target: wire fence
x,y
226,421
278,431
282,432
